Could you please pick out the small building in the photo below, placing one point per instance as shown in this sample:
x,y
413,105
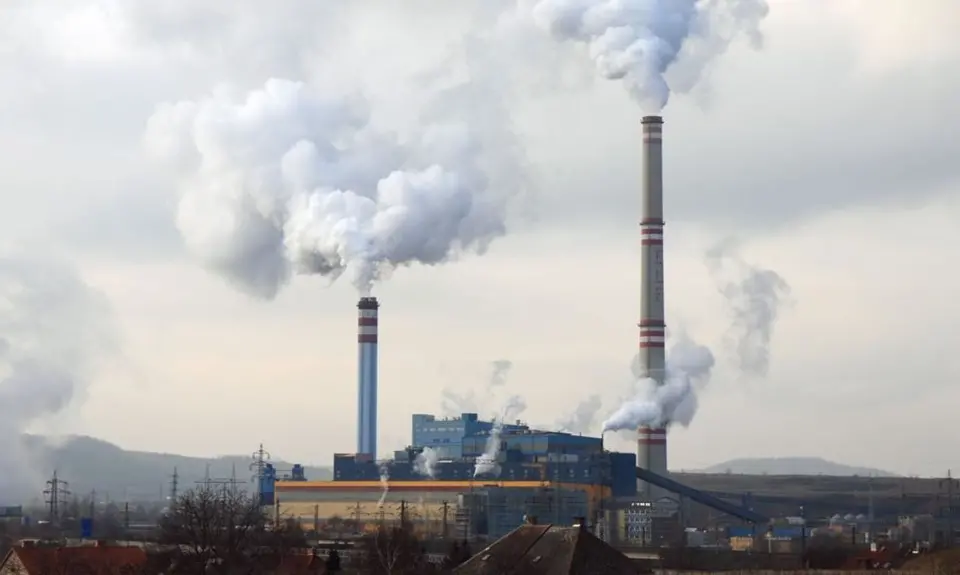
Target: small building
x,y
548,550
101,559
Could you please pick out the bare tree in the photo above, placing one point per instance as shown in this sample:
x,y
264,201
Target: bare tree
x,y
394,551
225,531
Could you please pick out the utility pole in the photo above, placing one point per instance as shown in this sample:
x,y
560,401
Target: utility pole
x,y
93,505
403,514
445,508
126,517
55,493
951,484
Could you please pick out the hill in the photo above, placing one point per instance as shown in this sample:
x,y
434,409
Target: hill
x,y
793,466
121,475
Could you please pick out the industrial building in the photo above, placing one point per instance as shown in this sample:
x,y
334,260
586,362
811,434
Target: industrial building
x,y
559,476
445,434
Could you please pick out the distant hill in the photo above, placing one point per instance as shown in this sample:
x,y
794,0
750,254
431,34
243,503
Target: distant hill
x,y
792,466
88,464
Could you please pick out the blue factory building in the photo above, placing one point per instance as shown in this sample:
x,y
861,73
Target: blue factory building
x,y
445,435
523,455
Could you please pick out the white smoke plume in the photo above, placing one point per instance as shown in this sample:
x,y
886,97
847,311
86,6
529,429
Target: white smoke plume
x,y
488,462
454,403
384,482
501,369
755,296
426,463
675,401
289,179
55,331
583,417
640,41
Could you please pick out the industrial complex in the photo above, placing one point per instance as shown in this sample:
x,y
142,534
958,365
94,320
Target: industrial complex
x,y
471,478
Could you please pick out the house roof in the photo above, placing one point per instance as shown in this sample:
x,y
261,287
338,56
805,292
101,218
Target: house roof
x,y
548,550
100,559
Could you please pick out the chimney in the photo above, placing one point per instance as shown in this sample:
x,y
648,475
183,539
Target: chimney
x,y
652,442
367,381
531,519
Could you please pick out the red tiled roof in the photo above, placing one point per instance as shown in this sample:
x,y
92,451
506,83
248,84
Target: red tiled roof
x,y
98,560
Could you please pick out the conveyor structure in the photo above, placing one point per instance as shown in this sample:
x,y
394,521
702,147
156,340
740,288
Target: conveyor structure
x,y
700,497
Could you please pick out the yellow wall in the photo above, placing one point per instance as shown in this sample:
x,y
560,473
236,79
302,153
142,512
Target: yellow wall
x,y
358,501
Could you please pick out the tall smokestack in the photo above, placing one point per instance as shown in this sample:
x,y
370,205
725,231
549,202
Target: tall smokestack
x,y
367,383
651,442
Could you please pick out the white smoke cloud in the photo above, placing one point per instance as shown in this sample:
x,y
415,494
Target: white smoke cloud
x,y
500,371
755,296
639,41
689,364
583,417
426,462
55,330
488,462
288,180
454,403
384,482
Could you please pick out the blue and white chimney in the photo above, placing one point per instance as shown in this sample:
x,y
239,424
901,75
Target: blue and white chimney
x,y
367,381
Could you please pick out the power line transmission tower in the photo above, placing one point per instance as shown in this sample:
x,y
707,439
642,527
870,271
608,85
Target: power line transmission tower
x,y
260,458
55,493
174,486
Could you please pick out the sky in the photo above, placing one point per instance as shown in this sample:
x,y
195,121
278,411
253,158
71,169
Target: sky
x,y
827,155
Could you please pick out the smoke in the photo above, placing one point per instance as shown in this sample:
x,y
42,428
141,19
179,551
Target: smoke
x,y
501,368
291,180
384,482
755,296
488,463
689,364
426,463
55,330
640,41
454,403
583,417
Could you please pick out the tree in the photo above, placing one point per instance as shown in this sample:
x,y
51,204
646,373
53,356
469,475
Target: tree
x,y
394,551
222,530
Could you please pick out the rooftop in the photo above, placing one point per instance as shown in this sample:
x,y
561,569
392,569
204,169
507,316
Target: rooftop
x,y
95,560
548,550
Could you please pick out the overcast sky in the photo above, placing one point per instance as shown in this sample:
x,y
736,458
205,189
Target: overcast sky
x,y
830,155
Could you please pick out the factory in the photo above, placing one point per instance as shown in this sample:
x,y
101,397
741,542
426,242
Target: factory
x,y
556,476
470,478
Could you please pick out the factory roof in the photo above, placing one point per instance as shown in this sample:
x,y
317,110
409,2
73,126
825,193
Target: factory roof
x,y
548,550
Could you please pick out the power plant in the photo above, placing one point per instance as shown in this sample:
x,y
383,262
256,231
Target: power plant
x,y
525,471
652,442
